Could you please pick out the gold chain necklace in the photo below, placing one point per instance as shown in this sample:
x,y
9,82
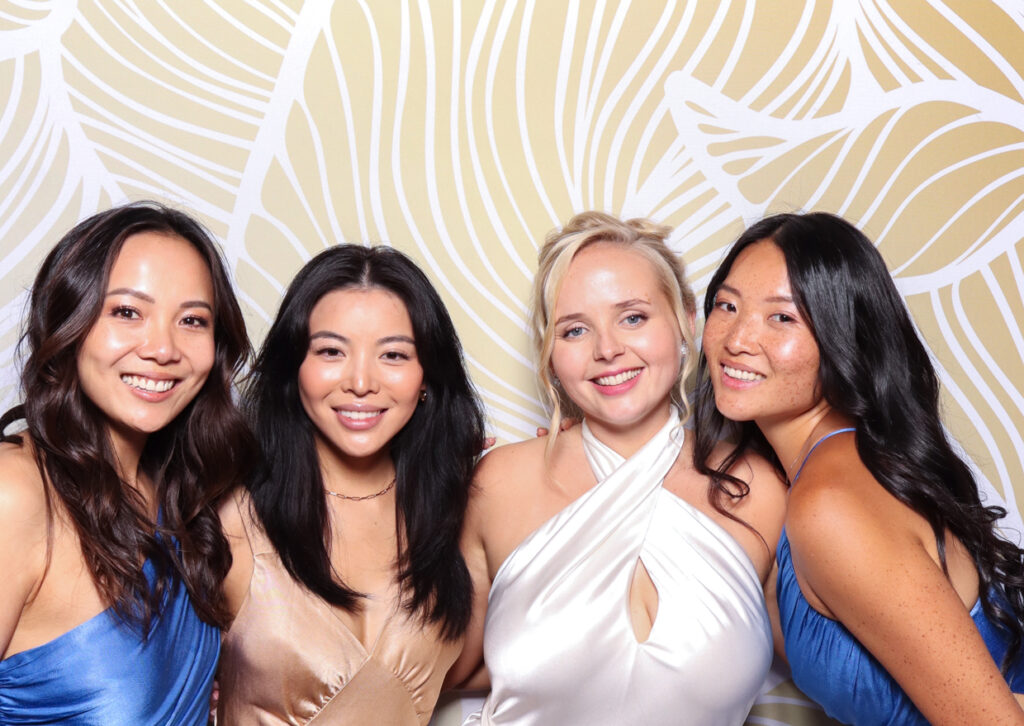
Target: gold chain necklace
x,y
381,493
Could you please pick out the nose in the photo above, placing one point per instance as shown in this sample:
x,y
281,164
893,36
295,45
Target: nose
x,y
160,344
360,375
742,335
607,344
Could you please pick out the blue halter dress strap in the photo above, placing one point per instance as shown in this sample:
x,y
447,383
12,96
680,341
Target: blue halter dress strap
x,y
103,673
818,443
831,666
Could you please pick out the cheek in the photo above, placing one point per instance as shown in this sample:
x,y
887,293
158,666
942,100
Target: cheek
x,y
313,380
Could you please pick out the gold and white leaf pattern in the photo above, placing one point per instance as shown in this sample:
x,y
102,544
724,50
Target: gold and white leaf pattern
x,y
461,132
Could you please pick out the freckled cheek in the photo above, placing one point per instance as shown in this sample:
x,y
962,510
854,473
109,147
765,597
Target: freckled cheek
x,y
797,366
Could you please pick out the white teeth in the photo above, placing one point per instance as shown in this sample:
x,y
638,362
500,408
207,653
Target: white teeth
x,y
741,375
617,378
361,415
147,384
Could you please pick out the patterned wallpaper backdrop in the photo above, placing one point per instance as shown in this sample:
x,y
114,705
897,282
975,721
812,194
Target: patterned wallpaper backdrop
x,y
462,131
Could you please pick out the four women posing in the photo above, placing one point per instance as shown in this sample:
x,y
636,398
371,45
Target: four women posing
x,y
617,567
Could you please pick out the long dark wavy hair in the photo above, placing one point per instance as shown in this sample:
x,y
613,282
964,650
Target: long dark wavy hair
x,y
433,454
875,370
192,461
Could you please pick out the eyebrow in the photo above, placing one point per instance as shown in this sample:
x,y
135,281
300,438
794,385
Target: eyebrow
x,y
380,341
631,303
150,299
772,299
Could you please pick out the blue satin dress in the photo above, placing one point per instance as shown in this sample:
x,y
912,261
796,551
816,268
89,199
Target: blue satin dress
x,y
831,666
101,673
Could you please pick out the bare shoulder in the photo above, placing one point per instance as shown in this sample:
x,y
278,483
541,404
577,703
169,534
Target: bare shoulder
x,y
236,520
765,503
234,513
22,492
841,517
505,463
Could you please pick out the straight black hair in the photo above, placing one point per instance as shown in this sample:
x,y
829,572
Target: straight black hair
x,y
434,453
875,370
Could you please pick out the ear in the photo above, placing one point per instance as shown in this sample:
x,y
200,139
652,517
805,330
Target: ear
x,y
691,318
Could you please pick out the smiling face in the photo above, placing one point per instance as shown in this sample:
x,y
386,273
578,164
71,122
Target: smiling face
x,y
616,342
361,379
761,354
152,347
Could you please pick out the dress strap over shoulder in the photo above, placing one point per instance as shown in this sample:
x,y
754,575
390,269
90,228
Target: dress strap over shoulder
x,y
259,543
817,443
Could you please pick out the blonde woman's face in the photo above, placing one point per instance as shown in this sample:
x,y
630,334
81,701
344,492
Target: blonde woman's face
x,y
616,341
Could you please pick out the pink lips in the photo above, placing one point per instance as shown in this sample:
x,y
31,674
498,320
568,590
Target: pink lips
x,y
359,419
618,388
737,383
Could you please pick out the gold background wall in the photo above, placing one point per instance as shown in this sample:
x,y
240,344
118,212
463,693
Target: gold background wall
x,y
460,132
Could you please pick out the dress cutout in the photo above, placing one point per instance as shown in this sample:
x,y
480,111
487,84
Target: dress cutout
x,y
559,641
288,658
101,673
831,666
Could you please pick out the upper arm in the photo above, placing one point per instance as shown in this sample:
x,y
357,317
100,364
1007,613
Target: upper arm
x,y
236,583
23,533
856,550
475,554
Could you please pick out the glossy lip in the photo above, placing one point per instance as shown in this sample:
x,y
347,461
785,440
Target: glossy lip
x,y
152,396
736,383
620,387
358,424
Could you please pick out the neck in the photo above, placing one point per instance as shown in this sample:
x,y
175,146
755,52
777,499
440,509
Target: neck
x,y
354,477
792,438
629,439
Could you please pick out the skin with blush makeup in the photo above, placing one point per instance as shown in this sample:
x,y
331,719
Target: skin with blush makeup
x,y
370,429
810,357
610,344
94,535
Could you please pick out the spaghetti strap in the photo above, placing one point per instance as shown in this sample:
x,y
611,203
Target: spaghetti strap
x,y
822,440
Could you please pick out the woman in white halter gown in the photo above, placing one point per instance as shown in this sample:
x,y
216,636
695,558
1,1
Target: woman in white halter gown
x,y
562,638
558,640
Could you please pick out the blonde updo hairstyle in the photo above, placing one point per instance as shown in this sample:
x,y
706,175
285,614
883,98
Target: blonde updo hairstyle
x,y
560,248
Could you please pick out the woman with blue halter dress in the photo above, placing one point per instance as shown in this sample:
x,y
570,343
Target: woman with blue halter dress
x,y
899,603
618,592
110,545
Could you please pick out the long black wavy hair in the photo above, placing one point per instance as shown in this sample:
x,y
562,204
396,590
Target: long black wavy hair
x,y
875,370
434,453
192,461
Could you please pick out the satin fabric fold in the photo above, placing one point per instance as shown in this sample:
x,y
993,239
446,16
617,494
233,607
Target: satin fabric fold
x,y
559,642
289,658
102,673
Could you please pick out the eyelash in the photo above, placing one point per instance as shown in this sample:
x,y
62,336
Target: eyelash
x,y
393,355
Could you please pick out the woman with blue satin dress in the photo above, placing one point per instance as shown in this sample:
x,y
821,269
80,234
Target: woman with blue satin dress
x,y
898,600
110,546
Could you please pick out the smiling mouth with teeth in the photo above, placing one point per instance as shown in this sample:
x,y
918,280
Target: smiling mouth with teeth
x,y
148,384
618,378
742,375
361,415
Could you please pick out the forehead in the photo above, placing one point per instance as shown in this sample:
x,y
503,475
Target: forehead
x,y
361,309
610,270
160,261
761,265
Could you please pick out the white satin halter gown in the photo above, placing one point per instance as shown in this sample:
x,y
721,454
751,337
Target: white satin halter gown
x,y
559,642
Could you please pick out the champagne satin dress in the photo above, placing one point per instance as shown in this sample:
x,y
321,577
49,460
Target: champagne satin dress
x,y
289,658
